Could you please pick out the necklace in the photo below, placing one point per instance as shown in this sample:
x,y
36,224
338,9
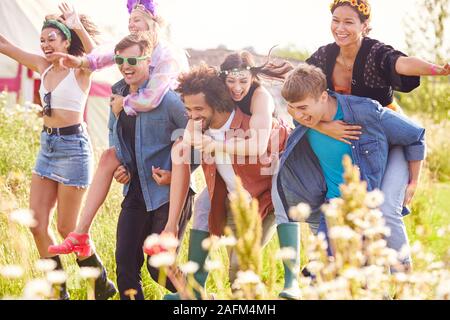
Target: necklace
x,y
348,67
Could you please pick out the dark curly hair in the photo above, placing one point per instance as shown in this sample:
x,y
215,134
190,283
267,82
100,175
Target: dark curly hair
x,y
76,46
205,79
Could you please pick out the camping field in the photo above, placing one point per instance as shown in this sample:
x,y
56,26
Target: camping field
x,y
19,142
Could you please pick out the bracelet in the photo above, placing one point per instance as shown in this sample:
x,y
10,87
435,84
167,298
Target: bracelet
x,y
81,63
433,70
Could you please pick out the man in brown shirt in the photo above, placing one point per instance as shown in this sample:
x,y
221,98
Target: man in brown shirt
x,y
208,102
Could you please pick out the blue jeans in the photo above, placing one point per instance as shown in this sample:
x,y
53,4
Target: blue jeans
x,y
66,159
393,186
395,181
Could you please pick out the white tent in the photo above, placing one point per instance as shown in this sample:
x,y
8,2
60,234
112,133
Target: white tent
x,y
21,22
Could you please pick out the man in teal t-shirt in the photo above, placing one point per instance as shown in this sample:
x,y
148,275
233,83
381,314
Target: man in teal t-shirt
x,y
330,152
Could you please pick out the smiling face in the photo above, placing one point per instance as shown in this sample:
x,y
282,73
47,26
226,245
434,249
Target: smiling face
x,y
199,110
238,84
137,22
52,41
346,26
134,75
309,111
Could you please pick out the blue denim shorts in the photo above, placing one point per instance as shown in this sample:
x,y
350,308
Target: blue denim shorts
x,y
66,159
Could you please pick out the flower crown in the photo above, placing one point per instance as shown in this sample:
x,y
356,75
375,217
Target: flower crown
x,y
361,7
147,6
234,71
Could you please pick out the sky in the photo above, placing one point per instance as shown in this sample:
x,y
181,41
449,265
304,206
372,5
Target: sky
x,y
237,24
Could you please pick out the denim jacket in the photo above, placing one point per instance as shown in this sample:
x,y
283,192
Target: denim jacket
x,y
155,132
300,177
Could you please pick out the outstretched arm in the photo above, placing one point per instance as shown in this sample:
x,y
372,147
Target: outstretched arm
x,y
31,61
163,77
413,66
262,107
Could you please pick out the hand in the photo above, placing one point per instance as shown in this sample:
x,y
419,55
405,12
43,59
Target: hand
x,y
116,103
340,130
122,175
171,229
162,177
70,16
409,194
193,133
67,60
208,145
444,70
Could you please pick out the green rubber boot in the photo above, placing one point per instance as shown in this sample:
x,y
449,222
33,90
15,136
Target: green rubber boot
x,y
198,255
289,236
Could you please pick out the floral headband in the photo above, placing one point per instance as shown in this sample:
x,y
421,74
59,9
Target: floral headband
x,y
234,71
60,26
145,6
361,7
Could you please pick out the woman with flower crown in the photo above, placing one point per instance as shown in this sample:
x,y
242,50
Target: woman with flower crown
x,y
166,63
358,65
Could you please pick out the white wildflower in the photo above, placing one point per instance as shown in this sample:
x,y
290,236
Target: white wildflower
x,y
352,273
330,210
315,267
443,290
11,271
404,252
342,232
416,247
56,277
229,241
441,232
169,241
189,267
24,217
300,212
206,244
89,272
37,289
151,241
401,277
210,243
436,266
286,253
247,277
374,199
45,265
163,259
211,265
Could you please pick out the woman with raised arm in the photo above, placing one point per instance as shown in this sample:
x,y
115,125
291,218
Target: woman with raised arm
x,y
63,167
166,63
358,65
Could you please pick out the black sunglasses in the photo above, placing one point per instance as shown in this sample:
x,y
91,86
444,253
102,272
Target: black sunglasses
x,y
48,107
119,60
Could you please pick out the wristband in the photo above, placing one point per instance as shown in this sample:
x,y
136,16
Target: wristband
x,y
433,70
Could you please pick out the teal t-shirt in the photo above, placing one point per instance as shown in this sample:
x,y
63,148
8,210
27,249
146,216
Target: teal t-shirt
x,y
330,152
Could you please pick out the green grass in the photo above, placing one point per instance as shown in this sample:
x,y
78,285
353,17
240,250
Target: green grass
x,y
19,142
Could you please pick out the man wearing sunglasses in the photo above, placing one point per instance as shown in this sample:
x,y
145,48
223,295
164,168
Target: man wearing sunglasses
x,y
141,143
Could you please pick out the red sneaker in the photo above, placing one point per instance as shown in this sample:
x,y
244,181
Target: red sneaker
x,y
74,242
